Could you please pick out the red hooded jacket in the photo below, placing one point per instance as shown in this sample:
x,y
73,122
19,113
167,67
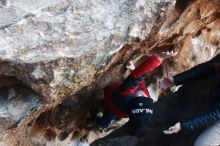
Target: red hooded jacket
x,y
129,87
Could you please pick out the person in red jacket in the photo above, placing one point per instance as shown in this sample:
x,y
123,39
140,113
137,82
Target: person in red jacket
x,y
130,98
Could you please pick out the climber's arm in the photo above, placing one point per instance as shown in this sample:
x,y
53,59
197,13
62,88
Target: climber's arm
x,y
131,83
203,119
198,72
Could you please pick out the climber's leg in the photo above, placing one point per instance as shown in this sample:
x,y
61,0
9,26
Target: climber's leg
x,y
107,118
210,137
122,131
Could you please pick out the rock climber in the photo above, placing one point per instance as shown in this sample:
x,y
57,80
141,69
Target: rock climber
x,y
211,118
130,98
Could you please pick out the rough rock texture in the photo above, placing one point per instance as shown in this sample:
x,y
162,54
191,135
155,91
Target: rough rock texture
x,y
53,46
68,50
56,48
16,103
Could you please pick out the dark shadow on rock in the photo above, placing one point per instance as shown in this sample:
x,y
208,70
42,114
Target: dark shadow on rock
x,y
72,116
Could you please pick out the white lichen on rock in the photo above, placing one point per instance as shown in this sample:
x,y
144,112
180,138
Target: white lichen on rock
x,y
38,73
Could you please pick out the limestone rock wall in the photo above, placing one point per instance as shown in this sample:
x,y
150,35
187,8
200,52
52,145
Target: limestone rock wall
x,y
68,50
16,103
56,47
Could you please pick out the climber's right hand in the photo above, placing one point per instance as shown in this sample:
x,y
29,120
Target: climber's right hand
x,y
166,82
167,54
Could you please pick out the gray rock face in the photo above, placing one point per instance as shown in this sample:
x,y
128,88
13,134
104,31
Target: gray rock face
x,y
15,105
33,32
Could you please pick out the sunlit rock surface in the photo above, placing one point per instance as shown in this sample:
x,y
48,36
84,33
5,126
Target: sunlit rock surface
x,y
59,43
68,50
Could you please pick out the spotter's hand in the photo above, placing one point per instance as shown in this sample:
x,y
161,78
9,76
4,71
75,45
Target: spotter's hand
x,y
174,129
166,83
